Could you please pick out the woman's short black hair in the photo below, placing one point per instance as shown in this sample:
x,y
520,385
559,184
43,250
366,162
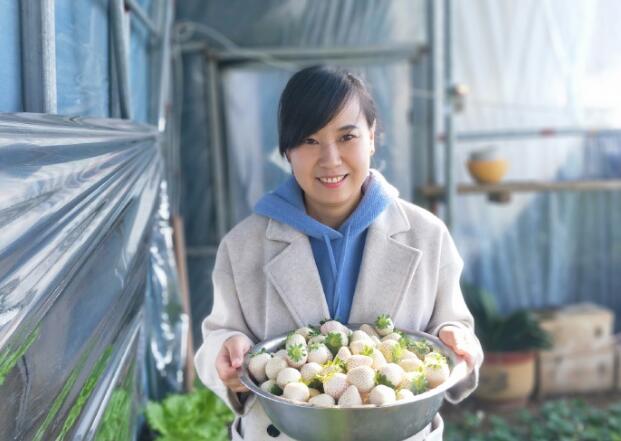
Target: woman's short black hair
x,y
312,97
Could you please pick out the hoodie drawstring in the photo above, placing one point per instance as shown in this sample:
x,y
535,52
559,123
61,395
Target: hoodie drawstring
x,y
336,298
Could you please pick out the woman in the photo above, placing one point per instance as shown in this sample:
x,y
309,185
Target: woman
x,y
334,240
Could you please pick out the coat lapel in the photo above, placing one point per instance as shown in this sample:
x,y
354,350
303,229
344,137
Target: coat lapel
x,y
294,275
387,268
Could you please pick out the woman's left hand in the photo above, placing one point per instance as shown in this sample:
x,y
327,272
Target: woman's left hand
x,y
461,341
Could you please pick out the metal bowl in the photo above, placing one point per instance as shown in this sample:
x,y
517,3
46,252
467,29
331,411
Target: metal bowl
x,y
392,422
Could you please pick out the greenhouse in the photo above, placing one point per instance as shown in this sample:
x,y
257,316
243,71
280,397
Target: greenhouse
x,y
232,219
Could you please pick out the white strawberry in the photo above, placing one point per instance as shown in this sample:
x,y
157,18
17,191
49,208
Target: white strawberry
x,y
318,353
274,366
359,346
379,361
392,336
296,391
381,395
350,398
344,353
369,330
384,324
411,364
404,395
305,332
295,339
310,370
358,360
335,385
256,366
282,353
363,377
271,387
297,355
360,335
332,326
436,369
288,375
388,349
391,375
322,400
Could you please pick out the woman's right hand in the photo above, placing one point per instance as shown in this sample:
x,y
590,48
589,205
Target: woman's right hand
x,y
230,359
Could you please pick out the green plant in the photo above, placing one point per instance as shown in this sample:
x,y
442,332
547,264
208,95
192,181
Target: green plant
x,y
197,416
559,420
517,331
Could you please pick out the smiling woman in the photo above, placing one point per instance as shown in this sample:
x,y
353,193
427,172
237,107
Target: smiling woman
x,y
332,241
327,132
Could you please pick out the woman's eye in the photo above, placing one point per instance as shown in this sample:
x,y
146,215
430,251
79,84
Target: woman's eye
x,y
348,137
310,141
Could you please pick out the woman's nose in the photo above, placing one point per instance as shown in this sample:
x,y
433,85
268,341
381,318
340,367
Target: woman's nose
x,y
330,155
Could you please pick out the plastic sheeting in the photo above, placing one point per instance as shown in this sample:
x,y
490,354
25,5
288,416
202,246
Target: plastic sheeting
x,y
76,211
82,57
166,324
10,57
542,249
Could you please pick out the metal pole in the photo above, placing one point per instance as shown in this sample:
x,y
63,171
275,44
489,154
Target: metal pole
x,y
448,115
300,54
432,70
121,55
39,56
165,67
218,163
518,134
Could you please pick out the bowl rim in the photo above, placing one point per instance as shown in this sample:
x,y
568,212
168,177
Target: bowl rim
x,y
459,371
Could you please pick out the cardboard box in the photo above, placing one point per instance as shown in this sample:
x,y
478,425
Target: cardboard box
x,y
579,327
591,370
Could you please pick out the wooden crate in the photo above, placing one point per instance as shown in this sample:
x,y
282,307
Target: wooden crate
x,y
578,327
590,370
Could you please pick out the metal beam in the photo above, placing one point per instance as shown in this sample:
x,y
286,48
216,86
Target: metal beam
x,y
321,53
437,191
218,165
519,134
449,128
39,56
161,65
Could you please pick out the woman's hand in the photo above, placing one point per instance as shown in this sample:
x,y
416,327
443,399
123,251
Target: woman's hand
x,y
230,359
461,341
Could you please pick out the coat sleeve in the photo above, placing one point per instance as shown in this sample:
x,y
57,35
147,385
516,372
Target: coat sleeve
x,y
225,320
450,309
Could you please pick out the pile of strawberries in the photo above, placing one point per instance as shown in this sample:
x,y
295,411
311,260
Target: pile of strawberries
x,y
333,366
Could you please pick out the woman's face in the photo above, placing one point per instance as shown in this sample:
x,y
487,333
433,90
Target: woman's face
x,y
331,164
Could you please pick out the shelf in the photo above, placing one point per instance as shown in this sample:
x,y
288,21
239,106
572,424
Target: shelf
x,y
437,191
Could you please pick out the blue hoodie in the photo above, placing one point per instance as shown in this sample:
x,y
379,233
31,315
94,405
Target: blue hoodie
x,y
337,253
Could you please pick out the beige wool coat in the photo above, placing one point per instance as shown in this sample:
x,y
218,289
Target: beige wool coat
x,y
266,283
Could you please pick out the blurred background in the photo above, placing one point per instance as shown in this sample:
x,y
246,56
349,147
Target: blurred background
x,y
135,133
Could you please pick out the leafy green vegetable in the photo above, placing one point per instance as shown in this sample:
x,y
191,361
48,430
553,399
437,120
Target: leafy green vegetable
x,y
558,420
198,416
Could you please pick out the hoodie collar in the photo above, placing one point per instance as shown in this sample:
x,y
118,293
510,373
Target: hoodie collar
x,y
278,205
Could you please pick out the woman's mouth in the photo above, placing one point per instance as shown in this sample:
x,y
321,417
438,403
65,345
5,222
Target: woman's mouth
x,y
332,181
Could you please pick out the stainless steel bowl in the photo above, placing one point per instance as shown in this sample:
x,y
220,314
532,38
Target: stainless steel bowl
x,y
393,422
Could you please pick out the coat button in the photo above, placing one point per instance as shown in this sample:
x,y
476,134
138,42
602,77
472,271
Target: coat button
x,y
272,431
